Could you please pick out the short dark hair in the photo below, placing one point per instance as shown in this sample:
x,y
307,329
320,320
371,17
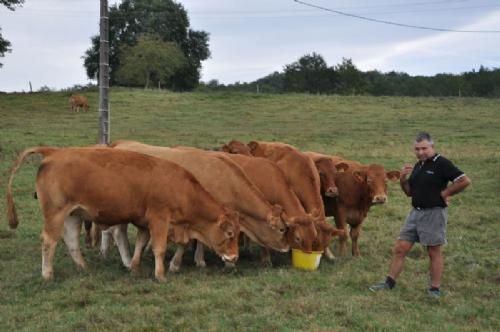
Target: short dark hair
x,y
424,136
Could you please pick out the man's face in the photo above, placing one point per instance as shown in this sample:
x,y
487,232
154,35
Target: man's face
x,y
424,150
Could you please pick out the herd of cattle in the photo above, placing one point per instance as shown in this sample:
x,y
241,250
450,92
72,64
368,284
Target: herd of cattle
x,y
276,195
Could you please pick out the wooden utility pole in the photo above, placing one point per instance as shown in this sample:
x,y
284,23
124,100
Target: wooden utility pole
x,y
104,120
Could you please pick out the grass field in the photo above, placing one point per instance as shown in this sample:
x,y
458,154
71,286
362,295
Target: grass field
x,y
255,298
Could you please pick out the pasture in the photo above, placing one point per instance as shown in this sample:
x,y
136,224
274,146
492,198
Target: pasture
x,y
256,298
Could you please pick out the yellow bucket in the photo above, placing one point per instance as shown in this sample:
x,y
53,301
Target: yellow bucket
x,y
306,261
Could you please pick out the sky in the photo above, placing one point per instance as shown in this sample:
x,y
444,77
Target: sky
x,y
251,39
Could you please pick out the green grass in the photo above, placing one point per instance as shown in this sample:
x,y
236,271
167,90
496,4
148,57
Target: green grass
x,y
254,298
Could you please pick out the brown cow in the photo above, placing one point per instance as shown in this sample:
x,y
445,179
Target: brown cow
x,y
301,173
78,102
227,182
327,171
113,187
360,187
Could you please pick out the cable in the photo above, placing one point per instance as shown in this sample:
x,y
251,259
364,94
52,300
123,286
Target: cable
x,y
392,23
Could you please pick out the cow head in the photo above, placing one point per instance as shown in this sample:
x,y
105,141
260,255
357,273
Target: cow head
x,y
255,149
236,147
326,232
375,178
327,171
274,218
301,233
224,237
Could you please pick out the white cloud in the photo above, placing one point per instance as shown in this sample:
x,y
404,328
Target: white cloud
x,y
446,49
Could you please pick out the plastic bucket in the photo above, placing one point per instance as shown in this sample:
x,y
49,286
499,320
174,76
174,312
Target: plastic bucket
x,y
306,261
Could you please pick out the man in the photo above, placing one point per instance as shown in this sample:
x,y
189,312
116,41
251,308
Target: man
x,y
430,195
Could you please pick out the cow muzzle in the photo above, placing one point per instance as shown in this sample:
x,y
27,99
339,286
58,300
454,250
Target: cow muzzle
x,y
230,258
332,192
379,199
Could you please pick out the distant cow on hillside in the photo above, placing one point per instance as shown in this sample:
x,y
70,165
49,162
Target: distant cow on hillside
x,y
77,102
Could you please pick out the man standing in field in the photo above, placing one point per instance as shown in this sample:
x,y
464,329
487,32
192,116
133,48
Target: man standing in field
x,y
427,185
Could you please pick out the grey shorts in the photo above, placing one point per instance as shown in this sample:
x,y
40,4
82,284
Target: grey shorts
x,y
427,226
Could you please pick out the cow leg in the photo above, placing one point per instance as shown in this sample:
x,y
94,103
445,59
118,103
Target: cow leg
x,y
147,249
340,222
329,254
95,234
355,231
72,228
176,261
121,239
158,229
265,257
52,230
141,240
105,241
199,255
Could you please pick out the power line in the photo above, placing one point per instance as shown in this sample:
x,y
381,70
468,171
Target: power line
x,y
391,23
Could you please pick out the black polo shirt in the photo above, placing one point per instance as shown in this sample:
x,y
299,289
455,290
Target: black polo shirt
x,y
429,178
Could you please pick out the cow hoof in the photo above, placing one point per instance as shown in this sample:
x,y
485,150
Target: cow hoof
x,y
49,276
161,279
103,253
174,268
201,264
134,268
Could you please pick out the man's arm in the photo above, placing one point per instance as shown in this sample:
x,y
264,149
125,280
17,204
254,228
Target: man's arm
x,y
457,186
403,179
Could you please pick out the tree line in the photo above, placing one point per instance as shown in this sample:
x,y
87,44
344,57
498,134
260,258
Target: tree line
x,y
311,74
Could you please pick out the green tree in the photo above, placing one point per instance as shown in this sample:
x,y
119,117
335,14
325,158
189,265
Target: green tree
x,y
151,59
309,74
349,77
168,19
4,43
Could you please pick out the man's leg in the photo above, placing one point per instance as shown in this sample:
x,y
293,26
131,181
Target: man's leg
x,y
401,249
436,265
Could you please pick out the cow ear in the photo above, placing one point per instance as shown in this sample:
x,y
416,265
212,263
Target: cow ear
x,y
318,161
225,148
252,146
393,175
341,167
360,176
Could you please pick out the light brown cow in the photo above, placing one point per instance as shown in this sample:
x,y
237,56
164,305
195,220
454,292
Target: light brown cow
x,y
271,181
360,187
227,182
113,187
78,102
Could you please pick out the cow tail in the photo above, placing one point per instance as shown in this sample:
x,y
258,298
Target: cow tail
x,y
11,208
